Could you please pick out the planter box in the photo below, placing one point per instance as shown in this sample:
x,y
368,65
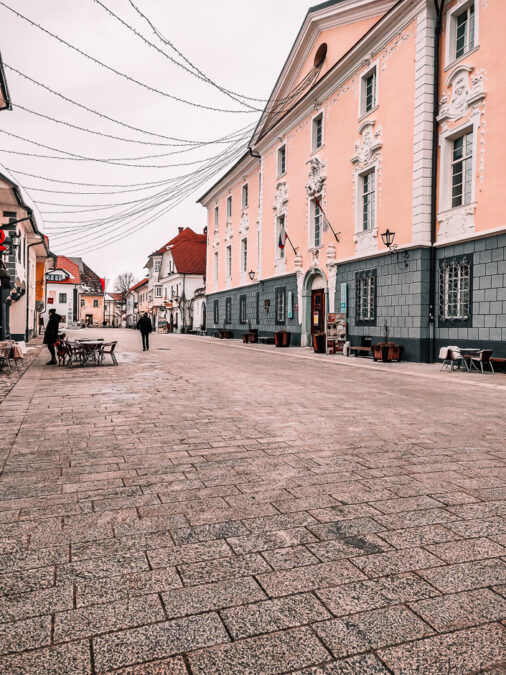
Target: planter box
x,y
282,338
320,343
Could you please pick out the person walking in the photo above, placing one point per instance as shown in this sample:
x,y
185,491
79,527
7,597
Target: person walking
x,y
146,327
51,334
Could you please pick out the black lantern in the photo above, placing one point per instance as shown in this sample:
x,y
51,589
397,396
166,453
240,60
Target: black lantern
x,y
388,238
251,275
15,240
402,256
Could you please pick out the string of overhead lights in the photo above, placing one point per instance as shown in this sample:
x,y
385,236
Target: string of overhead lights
x,y
129,78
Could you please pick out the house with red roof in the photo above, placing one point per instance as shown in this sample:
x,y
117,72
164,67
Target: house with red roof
x,y
62,290
176,277
136,302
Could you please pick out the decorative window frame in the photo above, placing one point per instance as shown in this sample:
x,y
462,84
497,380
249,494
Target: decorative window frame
x,y
454,322
280,305
216,269
228,310
314,118
367,158
64,295
216,216
245,193
158,291
280,211
451,31
243,259
280,172
229,207
312,245
366,274
456,222
362,112
228,263
243,317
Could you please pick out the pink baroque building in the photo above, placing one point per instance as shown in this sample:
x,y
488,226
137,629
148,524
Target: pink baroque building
x,y
372,183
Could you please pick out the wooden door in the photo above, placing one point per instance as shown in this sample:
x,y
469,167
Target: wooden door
x,y
317,311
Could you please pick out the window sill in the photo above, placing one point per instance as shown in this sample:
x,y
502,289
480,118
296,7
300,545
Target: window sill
x,y
281,175
369,112
453,63
316,150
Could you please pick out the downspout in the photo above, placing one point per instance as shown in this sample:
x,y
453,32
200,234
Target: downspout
x,y
439,7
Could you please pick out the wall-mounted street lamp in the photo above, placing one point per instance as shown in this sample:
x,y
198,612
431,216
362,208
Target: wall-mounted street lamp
x,y
402,256
251,275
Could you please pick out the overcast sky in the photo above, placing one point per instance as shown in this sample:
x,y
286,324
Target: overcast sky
x,y
240,44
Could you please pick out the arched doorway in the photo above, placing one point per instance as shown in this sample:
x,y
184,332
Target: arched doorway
x,y
314,304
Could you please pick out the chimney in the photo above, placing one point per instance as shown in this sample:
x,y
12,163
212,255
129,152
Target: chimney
x,y
180,229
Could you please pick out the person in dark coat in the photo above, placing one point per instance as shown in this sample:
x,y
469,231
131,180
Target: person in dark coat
x,y
51,334
146,327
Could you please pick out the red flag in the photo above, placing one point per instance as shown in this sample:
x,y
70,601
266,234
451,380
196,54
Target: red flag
x,y
282,238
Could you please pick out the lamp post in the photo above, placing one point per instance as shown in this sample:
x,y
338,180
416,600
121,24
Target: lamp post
x,y
251,275
388,240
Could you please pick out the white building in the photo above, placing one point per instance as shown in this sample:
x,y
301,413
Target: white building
x,y
176,273
62,291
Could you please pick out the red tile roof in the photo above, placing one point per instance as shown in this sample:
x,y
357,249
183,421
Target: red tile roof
x,y
138,284
188,250
63,263
117,297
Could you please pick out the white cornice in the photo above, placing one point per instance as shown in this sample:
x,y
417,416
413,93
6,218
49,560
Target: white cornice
x,y
349,11
367,48
244,168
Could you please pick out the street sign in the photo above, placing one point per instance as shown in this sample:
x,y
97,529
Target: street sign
x,y
344,293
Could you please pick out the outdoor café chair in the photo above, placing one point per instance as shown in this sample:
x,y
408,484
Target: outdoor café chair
x,y
108,348
74,352
451,356
4,357
483,358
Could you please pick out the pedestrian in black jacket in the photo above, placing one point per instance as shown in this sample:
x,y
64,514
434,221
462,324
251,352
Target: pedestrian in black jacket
x,y
145,326
51,334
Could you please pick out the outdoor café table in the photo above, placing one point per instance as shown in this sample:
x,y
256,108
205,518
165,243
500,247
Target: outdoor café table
x,y
91,349
467,353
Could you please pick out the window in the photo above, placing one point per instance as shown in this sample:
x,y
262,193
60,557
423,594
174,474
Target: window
x,y
365,297
95,303
228,310
455,291
368,181
368,91
216,261
259,188
257,308
281,160
316,224
229,207
317,135
242,309
464,31
462,169
55,277
216,216
280,236
158,291
245,196
157,265
229,261
216,312
244,255
280,299
82,303
63,298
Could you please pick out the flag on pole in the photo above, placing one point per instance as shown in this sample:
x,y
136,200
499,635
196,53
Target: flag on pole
x,y
282,238
325,222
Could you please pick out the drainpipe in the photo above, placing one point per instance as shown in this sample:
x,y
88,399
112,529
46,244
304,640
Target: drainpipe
x,y
439,7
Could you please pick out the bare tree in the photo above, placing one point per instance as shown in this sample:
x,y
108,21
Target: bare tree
x,y
123,283
186,309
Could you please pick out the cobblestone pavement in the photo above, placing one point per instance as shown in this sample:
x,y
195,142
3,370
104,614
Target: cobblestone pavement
x,y
207,508
8,378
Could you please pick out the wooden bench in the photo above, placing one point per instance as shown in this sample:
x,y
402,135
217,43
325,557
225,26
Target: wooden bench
x,y
266,340
498,362
360,351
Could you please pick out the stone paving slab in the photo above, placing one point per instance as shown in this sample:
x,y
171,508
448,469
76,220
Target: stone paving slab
x,y
213,509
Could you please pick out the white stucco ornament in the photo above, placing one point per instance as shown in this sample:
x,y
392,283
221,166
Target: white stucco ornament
x,y
280,198
244,225
456,223
317,176
464,92
368,144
